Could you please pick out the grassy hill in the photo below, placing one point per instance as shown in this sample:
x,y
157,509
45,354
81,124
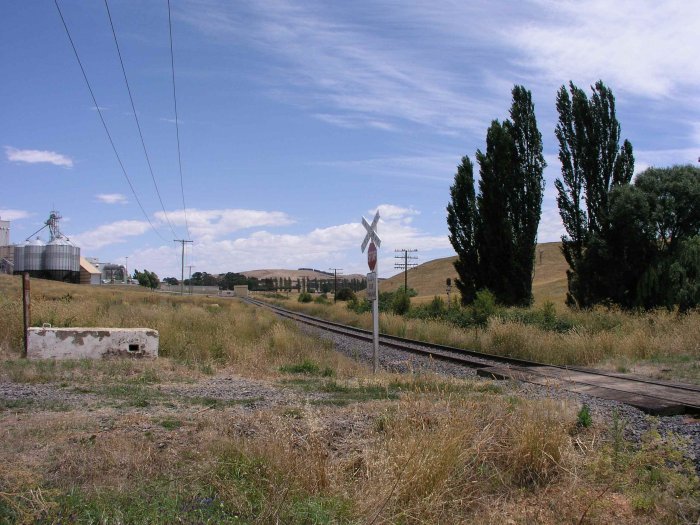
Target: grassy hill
x,y
428,279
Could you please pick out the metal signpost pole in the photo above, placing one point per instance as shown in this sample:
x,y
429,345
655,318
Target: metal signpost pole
x,y
26,303
372,258
375,319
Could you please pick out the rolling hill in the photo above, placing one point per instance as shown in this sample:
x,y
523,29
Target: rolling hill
x,y
428,279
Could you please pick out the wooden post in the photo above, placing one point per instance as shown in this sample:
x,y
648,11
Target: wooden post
x,y
26,307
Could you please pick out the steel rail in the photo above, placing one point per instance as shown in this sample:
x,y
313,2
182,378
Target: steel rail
x,y
520,367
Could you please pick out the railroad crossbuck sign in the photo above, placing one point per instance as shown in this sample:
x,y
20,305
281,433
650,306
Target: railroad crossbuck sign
x,y
371,232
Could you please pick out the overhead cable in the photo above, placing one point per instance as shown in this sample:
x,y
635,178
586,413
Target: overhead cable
x,y
104,123
177,120
136,118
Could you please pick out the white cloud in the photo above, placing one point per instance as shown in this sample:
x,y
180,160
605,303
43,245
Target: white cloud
x,y
33,156
111,198
113,233
7,214
206,225
335,245
644,47
371,77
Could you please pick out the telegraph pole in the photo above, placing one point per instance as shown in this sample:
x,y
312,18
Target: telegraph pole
x,y
190,266
126,270
182,272
405,264
335,281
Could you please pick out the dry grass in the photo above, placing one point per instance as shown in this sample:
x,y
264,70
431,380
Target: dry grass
x,y
423,459
196,333
645,343
438,451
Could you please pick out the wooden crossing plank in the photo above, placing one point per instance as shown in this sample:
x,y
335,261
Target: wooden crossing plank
x,y
648,404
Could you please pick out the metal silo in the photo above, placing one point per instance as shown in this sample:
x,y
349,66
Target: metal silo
x,y
34,258
19,258
62,261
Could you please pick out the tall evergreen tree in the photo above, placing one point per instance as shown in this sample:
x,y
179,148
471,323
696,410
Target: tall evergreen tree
x,y
526,191
592,164
495,233
461,223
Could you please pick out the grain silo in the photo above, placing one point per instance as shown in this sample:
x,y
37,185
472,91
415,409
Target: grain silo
x,y
58,260
62,261
34,258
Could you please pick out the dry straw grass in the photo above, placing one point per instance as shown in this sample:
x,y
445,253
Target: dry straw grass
x,y
599,336
193,331
447,451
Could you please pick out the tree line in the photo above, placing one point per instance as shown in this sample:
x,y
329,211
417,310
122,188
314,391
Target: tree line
x,y
635,244
273,284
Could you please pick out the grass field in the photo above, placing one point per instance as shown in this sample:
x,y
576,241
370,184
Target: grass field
x,y
245,419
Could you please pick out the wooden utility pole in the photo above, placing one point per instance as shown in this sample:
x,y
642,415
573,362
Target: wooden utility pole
x,y
405,265
335,281
26,303
182,273
190,266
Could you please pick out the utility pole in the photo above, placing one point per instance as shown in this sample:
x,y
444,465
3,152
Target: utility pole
x,y
190,266
182,272
335,281
126,269
405,264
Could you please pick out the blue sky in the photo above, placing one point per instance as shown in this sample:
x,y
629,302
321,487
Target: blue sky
x,y
298,118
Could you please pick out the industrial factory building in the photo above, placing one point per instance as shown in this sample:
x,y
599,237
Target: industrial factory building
x,y
58,259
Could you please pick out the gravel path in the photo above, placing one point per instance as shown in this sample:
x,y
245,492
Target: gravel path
x,y
635,422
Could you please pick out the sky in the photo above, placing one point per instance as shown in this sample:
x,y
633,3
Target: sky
x,y
296,119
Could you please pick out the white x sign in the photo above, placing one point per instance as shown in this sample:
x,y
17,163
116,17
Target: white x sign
x,y
371,232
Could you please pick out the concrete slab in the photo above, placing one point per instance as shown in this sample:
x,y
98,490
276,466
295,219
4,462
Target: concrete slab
x,y
92,343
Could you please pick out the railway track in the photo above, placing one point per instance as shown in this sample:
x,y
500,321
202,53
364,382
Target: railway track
x,y
656,397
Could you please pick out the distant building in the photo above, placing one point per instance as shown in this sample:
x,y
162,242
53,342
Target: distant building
x,y
7,252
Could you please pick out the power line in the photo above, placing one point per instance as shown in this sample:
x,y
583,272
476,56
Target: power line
x,y
104,123
177,120
138,124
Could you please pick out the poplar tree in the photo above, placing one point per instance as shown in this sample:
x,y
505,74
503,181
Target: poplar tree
x,y
592,165
527,189
495,233
461,223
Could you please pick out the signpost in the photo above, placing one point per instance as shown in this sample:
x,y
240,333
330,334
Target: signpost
x,y
372,284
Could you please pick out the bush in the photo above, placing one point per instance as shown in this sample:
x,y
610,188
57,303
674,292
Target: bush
x,y
321,299
359,307
345,294
483,307
401,303
305,297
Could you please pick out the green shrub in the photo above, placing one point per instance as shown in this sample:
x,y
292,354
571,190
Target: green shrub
x,y
305,297
584,419
345,294
483,307
401,303
321,299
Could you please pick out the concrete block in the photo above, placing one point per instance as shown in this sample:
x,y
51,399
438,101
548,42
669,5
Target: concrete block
x,y
92,343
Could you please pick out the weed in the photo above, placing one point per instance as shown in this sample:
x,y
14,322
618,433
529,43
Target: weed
x,y
170,423
305,367
583,418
